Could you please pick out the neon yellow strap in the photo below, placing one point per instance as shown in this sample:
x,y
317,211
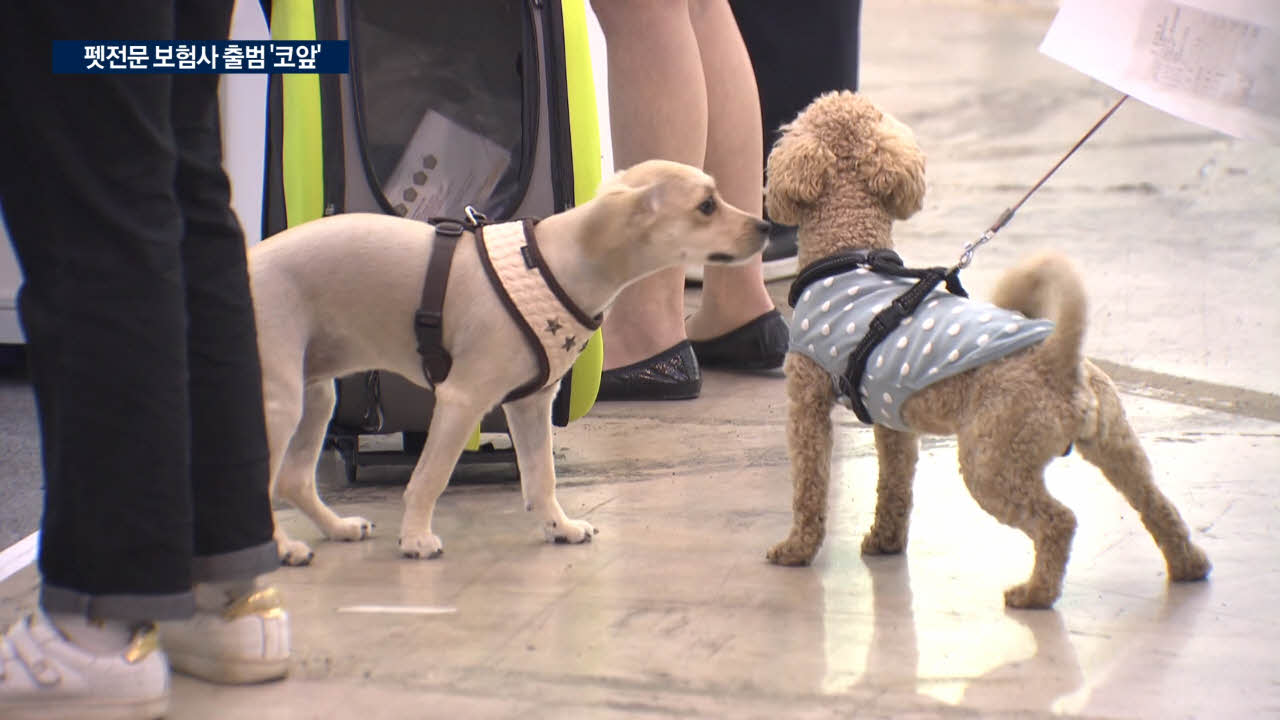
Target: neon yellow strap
x,y
302,157
584,135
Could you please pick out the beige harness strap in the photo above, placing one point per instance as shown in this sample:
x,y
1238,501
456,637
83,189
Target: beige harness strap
x,y
555,328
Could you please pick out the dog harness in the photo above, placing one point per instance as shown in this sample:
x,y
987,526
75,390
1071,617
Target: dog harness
x,y
555,328
845,318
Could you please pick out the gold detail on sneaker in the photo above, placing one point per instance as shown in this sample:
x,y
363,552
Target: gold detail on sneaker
x,y
264,603
145,641
45,674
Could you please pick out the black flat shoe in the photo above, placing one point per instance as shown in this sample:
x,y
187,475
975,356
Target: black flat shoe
x,y
759,345
670,375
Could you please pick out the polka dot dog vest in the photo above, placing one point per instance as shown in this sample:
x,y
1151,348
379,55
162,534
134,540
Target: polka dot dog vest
x,y
945,336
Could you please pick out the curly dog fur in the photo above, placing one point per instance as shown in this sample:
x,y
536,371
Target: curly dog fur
x,y
843,171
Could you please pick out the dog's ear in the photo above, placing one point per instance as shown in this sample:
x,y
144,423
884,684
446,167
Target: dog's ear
x,y
646,201
619,185
653,197
640,203
642,193
799,169
895,170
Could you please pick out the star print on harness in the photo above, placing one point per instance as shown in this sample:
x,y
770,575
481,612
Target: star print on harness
x,y
554,327
883,337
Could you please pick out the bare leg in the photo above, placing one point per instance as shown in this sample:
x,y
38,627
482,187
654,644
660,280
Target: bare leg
x,y
681,88
658,109
731,295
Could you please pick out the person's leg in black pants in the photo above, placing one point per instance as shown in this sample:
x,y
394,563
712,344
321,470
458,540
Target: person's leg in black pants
x,y
88,194
229,458
232,520
799,51
140,327
140,332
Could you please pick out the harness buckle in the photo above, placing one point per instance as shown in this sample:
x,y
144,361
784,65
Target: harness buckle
x,y
436,361
427,319
450,228
891,316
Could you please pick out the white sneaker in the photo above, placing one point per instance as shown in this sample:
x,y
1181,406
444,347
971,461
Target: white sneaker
x,y
246,642
44,676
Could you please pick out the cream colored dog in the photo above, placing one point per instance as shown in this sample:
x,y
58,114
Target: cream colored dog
x,y
843,171
338,295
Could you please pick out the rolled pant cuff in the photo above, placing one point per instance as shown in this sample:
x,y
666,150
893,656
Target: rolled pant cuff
x,y
176,606
237,564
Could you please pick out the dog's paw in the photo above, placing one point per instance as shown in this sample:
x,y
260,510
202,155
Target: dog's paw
x,y
421,546
1191,565
294,553
568,531
878,543
791,552
1029,597
351,529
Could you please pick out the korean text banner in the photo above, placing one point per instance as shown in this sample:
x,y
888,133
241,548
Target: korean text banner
x,y
223,56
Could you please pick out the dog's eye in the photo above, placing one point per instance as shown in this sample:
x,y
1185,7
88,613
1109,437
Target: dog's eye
x,y
708,206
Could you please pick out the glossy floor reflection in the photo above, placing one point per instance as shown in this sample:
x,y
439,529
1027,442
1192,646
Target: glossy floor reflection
x,y
673,612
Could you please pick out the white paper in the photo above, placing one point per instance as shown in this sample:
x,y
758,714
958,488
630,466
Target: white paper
x,y
445,167
1212,62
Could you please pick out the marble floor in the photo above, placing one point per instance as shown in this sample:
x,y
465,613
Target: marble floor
x,y
673,612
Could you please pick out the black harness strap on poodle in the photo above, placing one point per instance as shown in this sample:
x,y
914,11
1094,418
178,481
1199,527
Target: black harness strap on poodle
x,y
884,262
428,321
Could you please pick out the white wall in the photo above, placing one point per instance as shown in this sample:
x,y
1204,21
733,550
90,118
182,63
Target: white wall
x,y
600,73
243,101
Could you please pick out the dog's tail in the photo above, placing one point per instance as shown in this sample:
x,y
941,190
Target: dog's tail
x,y
1049,286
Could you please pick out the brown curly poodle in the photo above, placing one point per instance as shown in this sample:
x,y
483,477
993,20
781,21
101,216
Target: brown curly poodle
x,y
843,171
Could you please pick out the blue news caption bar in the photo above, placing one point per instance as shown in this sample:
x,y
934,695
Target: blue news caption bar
x,y
222,56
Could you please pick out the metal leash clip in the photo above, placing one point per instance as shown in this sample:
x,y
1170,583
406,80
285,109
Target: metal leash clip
x,y
474,216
